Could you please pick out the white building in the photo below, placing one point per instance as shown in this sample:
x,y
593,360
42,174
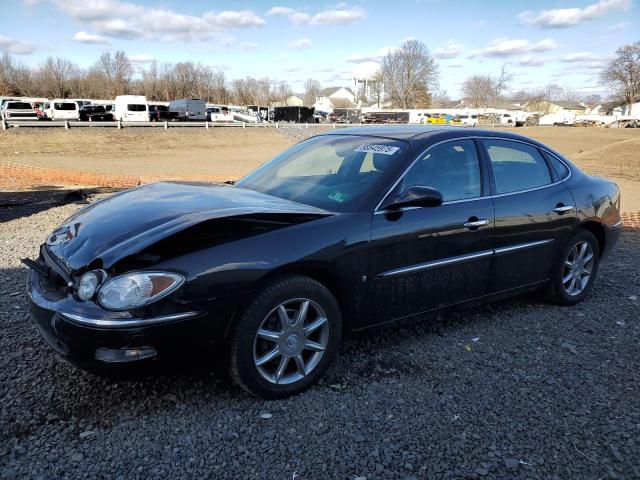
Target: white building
x,y
633,109
294,101
334,97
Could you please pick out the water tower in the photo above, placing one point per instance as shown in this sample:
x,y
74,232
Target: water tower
x,y
364,74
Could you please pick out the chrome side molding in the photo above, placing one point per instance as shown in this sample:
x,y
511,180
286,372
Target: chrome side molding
x,y
521,246
437,263
461,258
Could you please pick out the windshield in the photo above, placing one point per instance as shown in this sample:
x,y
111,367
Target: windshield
x,y
332,172
19,106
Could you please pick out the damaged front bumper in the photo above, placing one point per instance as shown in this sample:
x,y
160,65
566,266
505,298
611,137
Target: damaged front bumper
x,y
88,335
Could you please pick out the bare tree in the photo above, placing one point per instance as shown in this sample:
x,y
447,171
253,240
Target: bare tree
x,y
410,73
593,98
623,73
57,77
283,91
501,82
312,89
15,79
478,90
440,99
377,87
114,72
151,81
122,73
485,90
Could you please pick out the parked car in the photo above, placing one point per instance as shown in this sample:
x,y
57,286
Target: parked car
x,y
131,108
514,119
467,119
343,232
60,109
18,110
95,113
189,109
440,119
159,113
5,100
219,114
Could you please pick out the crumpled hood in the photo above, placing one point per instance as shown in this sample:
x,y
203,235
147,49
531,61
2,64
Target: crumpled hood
x,y
130,221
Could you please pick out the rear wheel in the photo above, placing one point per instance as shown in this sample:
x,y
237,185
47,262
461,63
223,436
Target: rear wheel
x,y
286,338
574,275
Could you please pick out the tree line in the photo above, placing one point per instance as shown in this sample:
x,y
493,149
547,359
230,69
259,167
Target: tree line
x,y
621,75
114,74
408,78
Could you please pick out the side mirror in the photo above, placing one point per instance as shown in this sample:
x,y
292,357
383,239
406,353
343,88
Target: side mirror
x,y
415,196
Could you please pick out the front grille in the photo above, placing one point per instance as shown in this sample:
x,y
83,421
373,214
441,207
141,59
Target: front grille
x,y
22,115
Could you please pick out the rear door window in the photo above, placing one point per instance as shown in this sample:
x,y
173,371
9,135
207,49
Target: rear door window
x,y
516,166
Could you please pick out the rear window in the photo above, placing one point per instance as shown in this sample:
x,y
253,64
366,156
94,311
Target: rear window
x,y
560,168
65,106
19,106
135,107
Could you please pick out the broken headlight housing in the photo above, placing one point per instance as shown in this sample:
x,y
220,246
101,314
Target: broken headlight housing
x,y
88,284
137,289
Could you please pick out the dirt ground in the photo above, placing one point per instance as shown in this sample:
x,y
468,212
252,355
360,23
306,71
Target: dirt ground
x,y
146,153
613,153
225,154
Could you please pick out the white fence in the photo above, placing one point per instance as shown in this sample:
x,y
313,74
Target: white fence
x,y
166,125
7,124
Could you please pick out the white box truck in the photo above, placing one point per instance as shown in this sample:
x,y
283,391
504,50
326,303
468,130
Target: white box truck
x,y
131,108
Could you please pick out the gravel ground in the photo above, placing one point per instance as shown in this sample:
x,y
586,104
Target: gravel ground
x,y
517,389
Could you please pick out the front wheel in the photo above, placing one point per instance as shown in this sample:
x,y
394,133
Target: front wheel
x,y
573,277
286,339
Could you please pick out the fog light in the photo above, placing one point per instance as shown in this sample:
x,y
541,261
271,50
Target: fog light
x,y
120,355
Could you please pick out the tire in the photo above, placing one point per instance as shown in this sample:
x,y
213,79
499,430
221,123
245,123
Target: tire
x,y
558,290
247,350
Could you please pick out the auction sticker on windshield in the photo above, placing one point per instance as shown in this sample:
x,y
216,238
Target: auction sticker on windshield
x,y
383,149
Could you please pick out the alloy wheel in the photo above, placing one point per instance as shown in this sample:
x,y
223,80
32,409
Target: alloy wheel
x,y
291,341
578,266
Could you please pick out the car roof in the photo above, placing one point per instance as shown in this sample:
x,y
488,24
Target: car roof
x,y
425,132
430,132
399,132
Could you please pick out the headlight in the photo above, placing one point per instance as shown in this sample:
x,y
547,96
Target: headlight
x,y
136,289
88,284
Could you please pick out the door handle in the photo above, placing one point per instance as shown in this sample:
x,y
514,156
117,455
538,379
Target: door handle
x,y
472,224
560,209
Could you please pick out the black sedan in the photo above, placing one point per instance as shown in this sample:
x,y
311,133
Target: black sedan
x,y
342,232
